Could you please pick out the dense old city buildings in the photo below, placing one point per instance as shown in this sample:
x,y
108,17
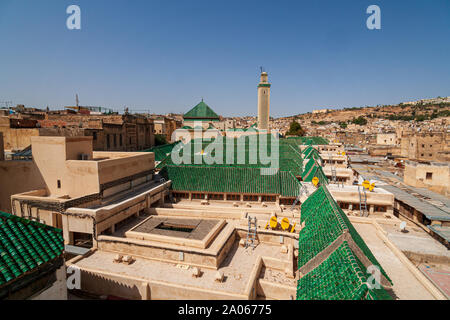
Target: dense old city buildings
x,y
109,132
309,224
166,126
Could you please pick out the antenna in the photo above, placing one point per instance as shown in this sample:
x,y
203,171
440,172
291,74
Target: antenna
x,y
76,99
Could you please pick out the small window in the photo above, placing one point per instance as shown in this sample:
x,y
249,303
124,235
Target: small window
x,y
431,154
422,155
429,176
94,135
59,184
423,146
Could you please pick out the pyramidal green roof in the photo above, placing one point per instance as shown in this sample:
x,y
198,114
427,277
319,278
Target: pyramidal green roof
x,y
201,111
26,245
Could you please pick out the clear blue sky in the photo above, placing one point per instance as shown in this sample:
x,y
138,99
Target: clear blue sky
x,y
166,55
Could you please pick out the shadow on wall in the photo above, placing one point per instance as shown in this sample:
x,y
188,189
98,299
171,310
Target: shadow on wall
x,y
17,177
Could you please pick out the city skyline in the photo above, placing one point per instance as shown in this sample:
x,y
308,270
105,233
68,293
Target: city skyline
x,y
317,55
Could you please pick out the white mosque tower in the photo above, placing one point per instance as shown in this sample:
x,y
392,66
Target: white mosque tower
x,y
263,102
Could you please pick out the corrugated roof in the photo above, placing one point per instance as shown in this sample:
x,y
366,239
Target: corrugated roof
x,y
430,211
444,232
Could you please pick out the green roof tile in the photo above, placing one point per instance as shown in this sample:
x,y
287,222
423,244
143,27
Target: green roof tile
x,y
313,169
290,158
325,222
163,151
201,112
231,180
309,140
339,277
25,245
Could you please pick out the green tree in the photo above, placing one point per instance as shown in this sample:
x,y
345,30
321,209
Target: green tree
x,y
343,125
295,129
359,121
160,140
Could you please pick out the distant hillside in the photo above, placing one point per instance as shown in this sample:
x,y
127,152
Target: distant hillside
x,y
418,112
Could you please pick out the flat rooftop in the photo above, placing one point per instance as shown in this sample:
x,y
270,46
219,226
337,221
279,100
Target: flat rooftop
x,y
196,229
406,285
237,268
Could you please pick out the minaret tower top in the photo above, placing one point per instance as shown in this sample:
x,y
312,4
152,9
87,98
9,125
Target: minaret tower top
x,y
264,80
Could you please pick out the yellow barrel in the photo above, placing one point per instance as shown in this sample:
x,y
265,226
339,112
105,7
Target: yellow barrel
x,y
285,224
315,181
273,222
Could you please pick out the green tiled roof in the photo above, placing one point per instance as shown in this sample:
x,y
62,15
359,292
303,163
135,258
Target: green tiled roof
x,y
161,152
324,223
201,112
313,169
290,157
231,180
311,152
25,245
310,140
339,277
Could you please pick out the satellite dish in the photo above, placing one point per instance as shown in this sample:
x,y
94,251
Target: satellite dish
x,y
403,226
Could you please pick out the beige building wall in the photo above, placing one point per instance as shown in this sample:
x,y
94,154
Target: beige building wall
x,y
17,177
70,168
17,139
434,176
387,139
423,146
72,178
